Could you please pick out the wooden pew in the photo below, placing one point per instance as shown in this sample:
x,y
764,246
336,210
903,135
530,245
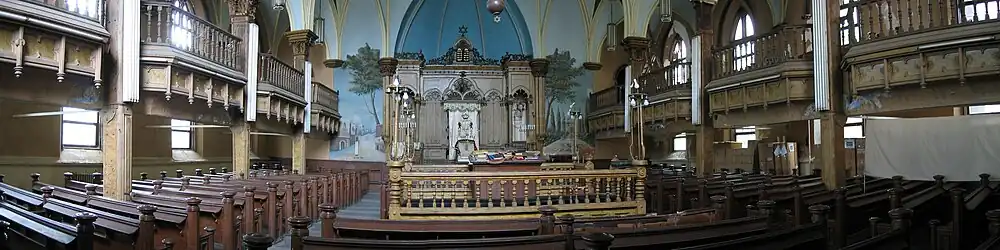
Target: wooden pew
x,y
22,229
810,236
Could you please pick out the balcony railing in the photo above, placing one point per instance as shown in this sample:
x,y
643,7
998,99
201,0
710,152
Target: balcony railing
x,y
164,24
864,21
326,97
89,9
781,45
676,76
281,75
610,97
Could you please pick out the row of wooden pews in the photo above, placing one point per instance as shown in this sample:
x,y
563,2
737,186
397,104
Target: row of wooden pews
x,y
202,211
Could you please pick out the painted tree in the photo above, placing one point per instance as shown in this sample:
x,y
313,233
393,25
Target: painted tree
x,y
560,82
366,78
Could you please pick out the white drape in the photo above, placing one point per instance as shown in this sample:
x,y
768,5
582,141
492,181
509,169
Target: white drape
x,y
957,147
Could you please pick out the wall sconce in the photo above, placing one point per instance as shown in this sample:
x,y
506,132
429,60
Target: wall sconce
x,y
665,11
611,41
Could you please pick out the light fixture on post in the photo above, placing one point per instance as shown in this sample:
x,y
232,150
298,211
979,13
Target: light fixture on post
x,y
576,116
611,42
496,7
665,11
279,5
319,29
637,100
395,94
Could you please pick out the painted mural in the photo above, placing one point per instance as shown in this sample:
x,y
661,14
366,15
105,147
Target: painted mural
x,y
567,89
360,103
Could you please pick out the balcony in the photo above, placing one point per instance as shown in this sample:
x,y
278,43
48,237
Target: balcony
x,y
669,88
54,46
918,51
183,55
281,91
754,74
325,109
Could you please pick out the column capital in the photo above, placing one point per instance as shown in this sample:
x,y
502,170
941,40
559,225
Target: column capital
x,y
593,66
243,8
387,66
333,63
301,40
539,67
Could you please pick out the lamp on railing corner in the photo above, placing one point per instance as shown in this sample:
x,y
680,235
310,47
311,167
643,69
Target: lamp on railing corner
x,y
637,147
576,116
279,5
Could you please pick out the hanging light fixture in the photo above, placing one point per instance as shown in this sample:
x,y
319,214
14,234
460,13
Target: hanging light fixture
x,y
611,43
496,7
665,11
319,29
279,5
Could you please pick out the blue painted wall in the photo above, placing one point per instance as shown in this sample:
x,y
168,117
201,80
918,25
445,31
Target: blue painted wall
x,y
432,26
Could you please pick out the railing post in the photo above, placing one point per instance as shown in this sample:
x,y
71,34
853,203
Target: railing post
x,y
567,230
227,222
328,215
191,225
395,188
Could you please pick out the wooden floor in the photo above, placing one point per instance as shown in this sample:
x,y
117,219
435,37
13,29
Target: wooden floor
x,y
367,208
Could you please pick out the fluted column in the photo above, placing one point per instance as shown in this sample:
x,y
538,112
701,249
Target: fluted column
x,y
241,13
301,41
539,68
387,66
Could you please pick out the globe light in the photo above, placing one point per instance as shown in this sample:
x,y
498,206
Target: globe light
x,y
406,96
395,82
279,5
632,102
645,102
496,7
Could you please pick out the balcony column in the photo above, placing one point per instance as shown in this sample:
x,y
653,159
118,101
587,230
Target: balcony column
x,y
537,137
116,115
301,41
387,66
701,51
241,13
829,87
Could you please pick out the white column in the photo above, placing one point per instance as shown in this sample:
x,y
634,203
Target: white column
x,y
821,56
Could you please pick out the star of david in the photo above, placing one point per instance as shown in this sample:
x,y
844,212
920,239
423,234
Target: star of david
x,y
462,30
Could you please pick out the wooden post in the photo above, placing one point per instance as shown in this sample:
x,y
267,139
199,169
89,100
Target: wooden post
x,y
272,205
547,220
328,215
993,216
255,241
300,228
840,228
820,215
567,230
85,231
248,226
957,208
191,228
227,222
598,241
901,221
3,236
934,241
721,211
287,208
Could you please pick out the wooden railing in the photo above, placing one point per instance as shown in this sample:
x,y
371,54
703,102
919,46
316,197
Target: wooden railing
x,y
164,24
496,195
676,76
761,51
276,73
326,97
610,97
90,9
872,20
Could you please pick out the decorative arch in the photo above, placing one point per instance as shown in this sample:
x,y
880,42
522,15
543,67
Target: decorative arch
x,y
493,95
432,95
620,76
730,10
463,89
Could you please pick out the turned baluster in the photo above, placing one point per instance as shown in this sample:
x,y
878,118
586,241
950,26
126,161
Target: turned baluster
x,y
300,229
547,220
180,173
254,241
98,178
328,215
163,175
67,179
85,231
197,172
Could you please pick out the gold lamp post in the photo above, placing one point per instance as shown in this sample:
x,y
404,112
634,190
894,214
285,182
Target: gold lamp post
x,y
637,148
399,97
576,116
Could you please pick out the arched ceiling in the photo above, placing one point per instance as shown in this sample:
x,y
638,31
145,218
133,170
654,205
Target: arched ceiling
x,y
432,27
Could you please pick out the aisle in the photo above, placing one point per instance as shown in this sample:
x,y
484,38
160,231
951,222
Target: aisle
x,y
368,208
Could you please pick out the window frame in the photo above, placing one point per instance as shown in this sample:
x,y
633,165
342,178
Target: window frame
x,y
744,49
850,20
185,27
858,123
972,6
96,124
683,138
189,131
677,55
745,131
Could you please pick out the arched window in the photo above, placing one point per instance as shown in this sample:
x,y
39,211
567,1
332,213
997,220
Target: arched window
x,y
850,22
677,55
181,29
743,54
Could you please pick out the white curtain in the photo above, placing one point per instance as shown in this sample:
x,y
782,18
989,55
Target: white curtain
x,y
957,147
